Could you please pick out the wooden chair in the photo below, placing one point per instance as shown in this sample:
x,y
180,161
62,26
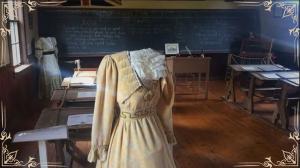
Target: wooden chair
x,y
254,50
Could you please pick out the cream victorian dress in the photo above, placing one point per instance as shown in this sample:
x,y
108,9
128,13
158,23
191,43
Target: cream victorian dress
x,y
132,124
50,77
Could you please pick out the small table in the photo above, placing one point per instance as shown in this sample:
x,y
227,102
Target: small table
x,y
197,65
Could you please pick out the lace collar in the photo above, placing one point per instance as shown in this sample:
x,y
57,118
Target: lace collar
x,y
148,64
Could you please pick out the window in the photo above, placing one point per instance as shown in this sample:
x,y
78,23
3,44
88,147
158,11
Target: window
x,y
15,43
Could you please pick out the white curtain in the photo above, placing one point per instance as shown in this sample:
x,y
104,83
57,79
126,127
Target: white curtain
x,y
50,76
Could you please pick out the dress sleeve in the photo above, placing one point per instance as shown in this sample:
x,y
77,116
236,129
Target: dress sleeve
x,y
165,105
104,109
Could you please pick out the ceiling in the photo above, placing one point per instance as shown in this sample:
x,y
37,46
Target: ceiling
x,y
156,4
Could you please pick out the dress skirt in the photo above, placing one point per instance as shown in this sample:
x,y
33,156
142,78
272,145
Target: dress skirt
x,y
138,143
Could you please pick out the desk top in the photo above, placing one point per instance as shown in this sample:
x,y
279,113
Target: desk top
x,y
258,68
55,117
289,75
293,82
80,94
80,97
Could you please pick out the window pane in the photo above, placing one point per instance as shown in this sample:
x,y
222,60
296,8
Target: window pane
x,y
15,46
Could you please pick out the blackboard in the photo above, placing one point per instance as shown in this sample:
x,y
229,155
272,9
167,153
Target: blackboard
x,y
96,32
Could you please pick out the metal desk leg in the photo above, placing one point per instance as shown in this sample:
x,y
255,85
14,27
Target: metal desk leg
x,y
43,154
251,95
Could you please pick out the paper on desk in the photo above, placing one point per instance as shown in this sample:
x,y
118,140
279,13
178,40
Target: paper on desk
x,y
80,119
84,74
270,67
296,81
249,67
269,75
288,74
83,80
85,94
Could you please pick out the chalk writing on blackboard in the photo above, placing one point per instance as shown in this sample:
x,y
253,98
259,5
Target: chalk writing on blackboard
x,y
111,30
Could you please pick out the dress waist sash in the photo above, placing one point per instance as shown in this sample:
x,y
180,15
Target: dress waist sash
x,y
138,114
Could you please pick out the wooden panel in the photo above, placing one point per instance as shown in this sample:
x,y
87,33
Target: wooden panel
x,y
18,94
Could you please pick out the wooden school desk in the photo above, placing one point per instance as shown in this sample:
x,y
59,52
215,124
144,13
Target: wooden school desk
x,y
54,125
288,86
237,69
190,65
77,97
265,76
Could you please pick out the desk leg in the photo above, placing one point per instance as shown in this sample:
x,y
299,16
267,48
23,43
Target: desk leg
x,y
43,154
206,85
230,89
233,88
251,95
282,108
276,113
59,147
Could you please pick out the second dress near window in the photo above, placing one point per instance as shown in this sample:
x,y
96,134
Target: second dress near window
x,y
132,124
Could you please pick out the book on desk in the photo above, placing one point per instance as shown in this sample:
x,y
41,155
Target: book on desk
x,y
82,78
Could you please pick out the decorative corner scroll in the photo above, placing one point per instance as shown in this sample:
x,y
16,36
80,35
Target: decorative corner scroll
x,y
290,158
289,10
9,159
4,31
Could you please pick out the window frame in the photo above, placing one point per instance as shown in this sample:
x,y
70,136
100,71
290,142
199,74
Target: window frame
x,y
17,49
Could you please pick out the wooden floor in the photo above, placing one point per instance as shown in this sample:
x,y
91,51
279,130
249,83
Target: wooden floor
x,y
213,133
